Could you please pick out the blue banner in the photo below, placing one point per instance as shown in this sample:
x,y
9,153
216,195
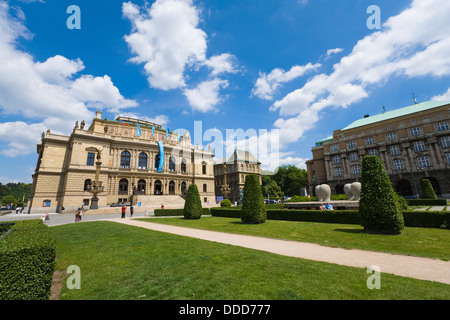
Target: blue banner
x,y
138,130
167,133
161,156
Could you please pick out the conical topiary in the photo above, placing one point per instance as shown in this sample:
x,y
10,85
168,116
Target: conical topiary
x,y
253,208
378,206
427,190
193,204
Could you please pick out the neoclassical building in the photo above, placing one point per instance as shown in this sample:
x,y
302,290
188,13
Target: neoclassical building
x,y
413,143
136,160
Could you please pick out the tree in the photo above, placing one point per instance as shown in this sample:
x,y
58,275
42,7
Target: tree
x,y
8,200
427,190
193,204
378,206
270,187
253,208
225,203
291,179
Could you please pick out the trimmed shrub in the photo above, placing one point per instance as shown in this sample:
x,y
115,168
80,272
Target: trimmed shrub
x,y
225,203
193,204
175,212
427,202
427,190
27,261
426,219
332,216
378,205
253,208
226,212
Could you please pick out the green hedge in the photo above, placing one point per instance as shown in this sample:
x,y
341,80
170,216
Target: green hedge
x,y
176,212
424,219
27,261
427,202
427,219
334,216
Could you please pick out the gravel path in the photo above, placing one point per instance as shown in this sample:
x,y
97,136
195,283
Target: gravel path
x,y
401,265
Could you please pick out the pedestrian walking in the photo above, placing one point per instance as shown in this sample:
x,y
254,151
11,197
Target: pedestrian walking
x,y
131,211
78,215
124,208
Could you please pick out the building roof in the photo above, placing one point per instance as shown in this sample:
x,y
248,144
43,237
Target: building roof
x,y
396,113
319,143
239,155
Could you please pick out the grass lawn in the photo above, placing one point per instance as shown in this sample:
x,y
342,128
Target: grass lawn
x,y
125,262
426,242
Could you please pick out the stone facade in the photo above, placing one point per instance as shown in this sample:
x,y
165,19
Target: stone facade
x,y
230,173
129,165
413,143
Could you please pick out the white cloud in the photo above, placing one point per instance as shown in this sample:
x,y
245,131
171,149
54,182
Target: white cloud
x,y
333,51
414,43
267,84
443,97
223,63
206,95
167,40
50,92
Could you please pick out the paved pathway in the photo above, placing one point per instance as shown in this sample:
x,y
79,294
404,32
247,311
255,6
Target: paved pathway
x,y
402,265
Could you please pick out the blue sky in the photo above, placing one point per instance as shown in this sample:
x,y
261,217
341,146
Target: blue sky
x,y
298,69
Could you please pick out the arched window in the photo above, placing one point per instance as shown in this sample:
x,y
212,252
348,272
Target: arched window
x,y
123,186
125,159
204,168
205,187
142,160
172,163
141,186
87,184
183,188
157,159
183,165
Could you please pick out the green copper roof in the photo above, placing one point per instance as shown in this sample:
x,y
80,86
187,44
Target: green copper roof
x,y
396,113
319,143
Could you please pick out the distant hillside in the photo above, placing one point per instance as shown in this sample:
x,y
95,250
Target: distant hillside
x,y
18,190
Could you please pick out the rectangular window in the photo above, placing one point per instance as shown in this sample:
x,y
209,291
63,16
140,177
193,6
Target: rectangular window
x,y
415,132
442,126
356,169
370,141
391,136
334,147
353,157
398,164
338,172
445,141
372,152
394,150
447,158
423,161
90,159
336,159
351,145
419,146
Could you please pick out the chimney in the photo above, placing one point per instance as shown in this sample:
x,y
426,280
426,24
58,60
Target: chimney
x,y
98,114
366,116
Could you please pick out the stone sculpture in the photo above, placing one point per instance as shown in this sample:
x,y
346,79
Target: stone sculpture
x,y
323,192
353,190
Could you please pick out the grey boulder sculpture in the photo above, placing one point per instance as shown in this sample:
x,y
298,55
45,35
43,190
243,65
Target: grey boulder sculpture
x,y
323,192
353,190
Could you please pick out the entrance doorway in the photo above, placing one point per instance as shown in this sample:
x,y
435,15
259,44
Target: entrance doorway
x,y
171,187
158,189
